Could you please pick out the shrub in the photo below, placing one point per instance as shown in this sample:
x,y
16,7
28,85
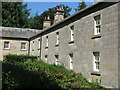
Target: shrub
x,y
42,75
19,58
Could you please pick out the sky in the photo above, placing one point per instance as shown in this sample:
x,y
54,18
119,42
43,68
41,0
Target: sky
x,y
40,7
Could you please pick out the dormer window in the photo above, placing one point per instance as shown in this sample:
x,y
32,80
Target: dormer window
x,y
97,25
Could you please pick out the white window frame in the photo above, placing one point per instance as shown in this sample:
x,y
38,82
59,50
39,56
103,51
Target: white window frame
x,y
71,61
24,46
97,25
8,45
56,59
96,61
46,41
57,41
72,33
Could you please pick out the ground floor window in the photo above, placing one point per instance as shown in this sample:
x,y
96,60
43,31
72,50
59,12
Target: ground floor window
x,y
46,58
56,59
23,46
96,61
71,60
6,45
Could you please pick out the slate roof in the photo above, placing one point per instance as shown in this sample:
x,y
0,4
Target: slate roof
x,y
10,32
95,5
21,33
67,18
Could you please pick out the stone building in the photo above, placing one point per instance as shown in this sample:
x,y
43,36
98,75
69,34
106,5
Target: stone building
x,y
86,42
15,40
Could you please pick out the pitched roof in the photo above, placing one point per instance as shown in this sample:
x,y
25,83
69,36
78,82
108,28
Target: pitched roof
x,y
67,18
74,15
21,33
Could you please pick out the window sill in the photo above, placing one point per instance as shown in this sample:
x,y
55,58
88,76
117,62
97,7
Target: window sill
x,y
97,73
56,45
71,42
96,36
6,48
23,50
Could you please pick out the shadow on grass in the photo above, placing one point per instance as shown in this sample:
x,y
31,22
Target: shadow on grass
x,y
15,76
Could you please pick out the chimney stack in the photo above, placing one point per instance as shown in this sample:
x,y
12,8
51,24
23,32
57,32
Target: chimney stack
x,y
46,22
59,14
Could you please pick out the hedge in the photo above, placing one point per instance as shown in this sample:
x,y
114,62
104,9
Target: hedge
x,y
19,58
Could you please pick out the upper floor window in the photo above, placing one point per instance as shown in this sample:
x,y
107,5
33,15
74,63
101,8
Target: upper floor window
x,y
72,33
96,61
23,46
6,45
57,41
97,25
46,42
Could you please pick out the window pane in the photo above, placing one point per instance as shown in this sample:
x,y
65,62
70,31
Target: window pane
x,y
23,45
96,60
6,45
97,25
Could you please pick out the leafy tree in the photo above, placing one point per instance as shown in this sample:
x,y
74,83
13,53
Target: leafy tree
x,y
15,14
81,5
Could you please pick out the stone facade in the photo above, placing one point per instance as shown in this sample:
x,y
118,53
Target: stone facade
x,y
73,43
15,37
15,47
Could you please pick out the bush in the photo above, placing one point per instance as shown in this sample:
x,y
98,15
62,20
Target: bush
x,y
37,74
19,58
41,75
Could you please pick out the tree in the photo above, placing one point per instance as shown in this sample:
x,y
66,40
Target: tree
x,y
15,14
37,20
81,5
66,10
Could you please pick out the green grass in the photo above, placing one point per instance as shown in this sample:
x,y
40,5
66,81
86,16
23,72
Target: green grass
x,y
38,74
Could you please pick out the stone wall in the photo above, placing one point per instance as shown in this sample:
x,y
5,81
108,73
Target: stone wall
x,y
15,47
119,45
35,47
85,43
